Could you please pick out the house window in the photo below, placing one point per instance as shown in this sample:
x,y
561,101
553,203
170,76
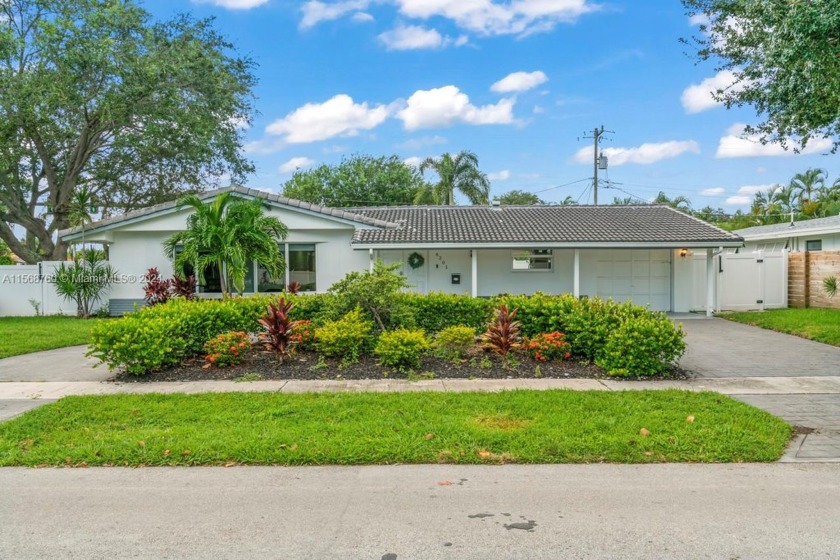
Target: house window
x,y
533,260
813,245
301,265
212,279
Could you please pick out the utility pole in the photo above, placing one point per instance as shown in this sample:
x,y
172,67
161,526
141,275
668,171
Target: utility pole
x,y
599,160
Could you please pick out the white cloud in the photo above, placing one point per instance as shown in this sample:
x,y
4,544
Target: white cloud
x,y
314,12
502,175
698,97
483,17
338,116
714,191
736,144
362,17
486,17
538,110
411,37
441,107
413,161
296,163
699,19
746,193
234,4
519,81
645,154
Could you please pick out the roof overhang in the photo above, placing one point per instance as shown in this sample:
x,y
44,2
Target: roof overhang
x,y
793,232
75,234
556,245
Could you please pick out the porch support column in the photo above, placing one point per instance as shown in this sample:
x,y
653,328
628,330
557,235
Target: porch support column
x,y
576,275
371,259
710,282
474,275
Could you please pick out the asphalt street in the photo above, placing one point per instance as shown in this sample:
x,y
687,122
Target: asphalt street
x,y
427,511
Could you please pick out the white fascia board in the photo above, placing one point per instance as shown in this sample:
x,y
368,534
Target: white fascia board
x,y
550,245
792,232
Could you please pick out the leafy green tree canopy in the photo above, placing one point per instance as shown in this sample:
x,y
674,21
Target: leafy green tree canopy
x,y
361,180
95,93
520,197
785,55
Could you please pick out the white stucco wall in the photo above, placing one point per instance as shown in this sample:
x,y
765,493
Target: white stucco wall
x,y
137,247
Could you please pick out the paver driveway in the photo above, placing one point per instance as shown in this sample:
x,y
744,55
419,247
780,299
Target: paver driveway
x,y
721,348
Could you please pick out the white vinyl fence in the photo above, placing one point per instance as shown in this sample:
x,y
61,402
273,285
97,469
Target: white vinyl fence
x,y
25,287
743,281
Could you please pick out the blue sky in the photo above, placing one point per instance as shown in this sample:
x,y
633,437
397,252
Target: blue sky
x,y
515,82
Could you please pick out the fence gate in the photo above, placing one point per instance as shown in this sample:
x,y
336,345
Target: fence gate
x,y
751,281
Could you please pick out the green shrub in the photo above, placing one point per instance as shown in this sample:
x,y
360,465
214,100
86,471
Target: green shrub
x,y
401,348
373,291
346,338
641,346
437,311
227,349
453,342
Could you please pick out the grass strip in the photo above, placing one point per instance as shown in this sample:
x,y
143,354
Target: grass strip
x,y
23,335
822,325
385,428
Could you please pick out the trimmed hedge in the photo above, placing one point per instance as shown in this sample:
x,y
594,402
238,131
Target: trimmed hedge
x,y
622,338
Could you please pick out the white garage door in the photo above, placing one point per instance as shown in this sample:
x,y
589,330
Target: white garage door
x,y
640,275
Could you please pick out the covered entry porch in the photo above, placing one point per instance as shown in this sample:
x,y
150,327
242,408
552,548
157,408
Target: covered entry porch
x,y
660,277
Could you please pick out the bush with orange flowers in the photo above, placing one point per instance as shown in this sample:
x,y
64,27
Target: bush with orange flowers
x,y
548,347
227,349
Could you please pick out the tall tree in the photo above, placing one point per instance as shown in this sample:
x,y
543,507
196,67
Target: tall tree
x,y
785,56
95,93
360,180
520,197
455,173
228,233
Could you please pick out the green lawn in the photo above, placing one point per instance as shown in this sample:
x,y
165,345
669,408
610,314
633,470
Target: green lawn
x,y
387,428
22,335
822,325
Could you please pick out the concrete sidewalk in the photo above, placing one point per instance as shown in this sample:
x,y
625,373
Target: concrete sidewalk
x,y
726,386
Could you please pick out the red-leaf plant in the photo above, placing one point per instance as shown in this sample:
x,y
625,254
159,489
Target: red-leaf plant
x,y
184,287
279,328
293,287
502,333
157,290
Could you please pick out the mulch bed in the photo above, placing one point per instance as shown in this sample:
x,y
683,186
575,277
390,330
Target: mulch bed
x,y
306,365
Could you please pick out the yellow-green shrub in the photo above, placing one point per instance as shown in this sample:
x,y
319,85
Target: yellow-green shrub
x,y
453,342
401,348
346,338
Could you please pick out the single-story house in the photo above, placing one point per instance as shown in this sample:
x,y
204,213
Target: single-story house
x,y
819,234
621,252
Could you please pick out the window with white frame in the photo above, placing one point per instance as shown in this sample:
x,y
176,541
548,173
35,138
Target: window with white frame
x,y
533,260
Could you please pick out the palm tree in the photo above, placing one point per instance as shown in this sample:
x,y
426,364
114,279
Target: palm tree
x,y
458,173
805,185
678,202
230,233
82,204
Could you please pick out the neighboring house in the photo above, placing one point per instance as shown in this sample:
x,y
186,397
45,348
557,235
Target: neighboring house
x,y
819,234
623,252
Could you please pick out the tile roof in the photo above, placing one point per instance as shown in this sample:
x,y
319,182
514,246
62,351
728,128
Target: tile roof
x,y
785,227
643,224
341,213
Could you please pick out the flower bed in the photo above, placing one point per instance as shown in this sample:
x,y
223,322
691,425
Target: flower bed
x,y
623,339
